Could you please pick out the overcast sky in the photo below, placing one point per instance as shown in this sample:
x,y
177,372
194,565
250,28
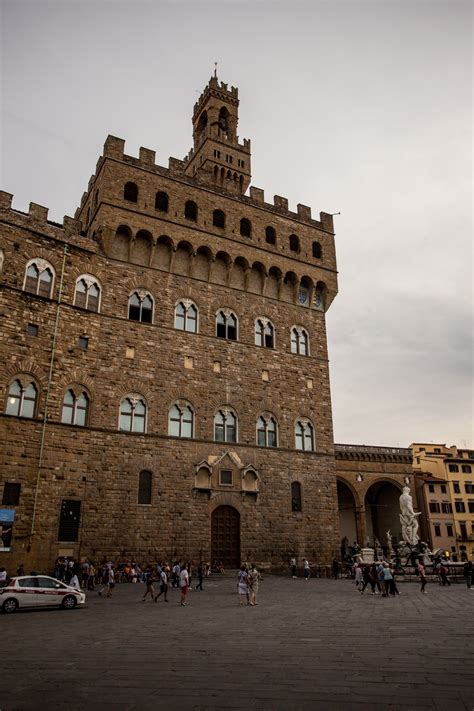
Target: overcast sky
x,y
358,107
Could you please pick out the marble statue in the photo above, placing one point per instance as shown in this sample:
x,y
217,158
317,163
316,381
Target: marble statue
x,y
409,518
390,551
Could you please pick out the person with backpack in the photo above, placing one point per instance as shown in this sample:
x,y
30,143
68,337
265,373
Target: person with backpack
x,y
148,580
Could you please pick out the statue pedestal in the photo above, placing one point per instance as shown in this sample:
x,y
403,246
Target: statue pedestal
x,y
367,555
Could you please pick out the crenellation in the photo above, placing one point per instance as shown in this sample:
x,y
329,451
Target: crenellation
x,y
280,203
147,157
304,212
72,227
257,195
38,212
5,200
114,147
176,166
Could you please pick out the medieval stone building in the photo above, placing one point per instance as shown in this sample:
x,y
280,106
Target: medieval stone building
x,y
165,389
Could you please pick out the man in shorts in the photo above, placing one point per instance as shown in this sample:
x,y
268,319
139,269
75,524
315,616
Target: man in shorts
x,y
163,585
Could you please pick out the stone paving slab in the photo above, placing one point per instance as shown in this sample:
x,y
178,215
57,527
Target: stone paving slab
x,y
315,645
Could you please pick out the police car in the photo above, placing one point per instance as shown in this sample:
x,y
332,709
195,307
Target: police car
x,y
38,591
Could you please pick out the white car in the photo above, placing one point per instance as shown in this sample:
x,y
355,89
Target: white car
x,y
38,591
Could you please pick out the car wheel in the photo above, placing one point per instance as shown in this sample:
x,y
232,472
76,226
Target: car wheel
x,y
10,605
69,602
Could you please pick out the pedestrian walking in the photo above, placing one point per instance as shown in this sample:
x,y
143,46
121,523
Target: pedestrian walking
x,y
149,584
253,578
306,569
184,584
335,568
175,574
421,573
163,585
443,574
242,586
200,572
293,567
359,578
365,577
468,573
388,580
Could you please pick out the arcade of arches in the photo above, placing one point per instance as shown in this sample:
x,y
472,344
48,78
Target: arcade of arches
x,y
369,484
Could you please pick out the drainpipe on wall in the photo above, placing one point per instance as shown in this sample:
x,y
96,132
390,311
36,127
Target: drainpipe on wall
x,y
48,390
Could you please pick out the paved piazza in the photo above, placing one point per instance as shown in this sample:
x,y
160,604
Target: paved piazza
x,y
315,645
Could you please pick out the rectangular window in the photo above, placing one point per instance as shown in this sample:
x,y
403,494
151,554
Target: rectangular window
x,y
225,477
83,343
456,488
11,494
69,520
449,529
453,468
431,488
466,468
471,506
32,329
437,530
434,507
469,487
459,506
463,529
446,507
443,488
437,450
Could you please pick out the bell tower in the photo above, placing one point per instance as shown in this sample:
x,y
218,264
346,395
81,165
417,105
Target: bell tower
x,y
217,157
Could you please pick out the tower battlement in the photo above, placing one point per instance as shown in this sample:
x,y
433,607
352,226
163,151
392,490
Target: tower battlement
x,y
37,217
114,148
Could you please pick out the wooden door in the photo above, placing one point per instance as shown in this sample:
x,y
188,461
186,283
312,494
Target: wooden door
x,y
225,536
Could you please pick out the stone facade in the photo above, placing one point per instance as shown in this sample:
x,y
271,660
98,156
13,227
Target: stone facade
x,y
77,327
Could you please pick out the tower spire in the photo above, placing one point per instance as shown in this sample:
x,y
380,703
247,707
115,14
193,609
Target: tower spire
x,y
215,70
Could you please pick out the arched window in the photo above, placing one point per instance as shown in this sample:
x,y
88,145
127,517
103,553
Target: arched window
x,y
317,251
21,399
145,479
264,333
266,431
295,496
225,426
39,278
87,293
181,421
218,219
294,243
223,119
191,211
186,316
304,436
270,235
245,227
140,307
133,414
161,202
226,325
75,408
299,341
130,192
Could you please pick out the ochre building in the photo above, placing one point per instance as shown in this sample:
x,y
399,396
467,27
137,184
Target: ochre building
x,y
165,384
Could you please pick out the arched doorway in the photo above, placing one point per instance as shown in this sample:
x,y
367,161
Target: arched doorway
x,y
225,536
347,512
382,510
